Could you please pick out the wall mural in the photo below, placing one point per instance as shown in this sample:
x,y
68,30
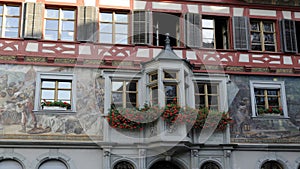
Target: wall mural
x,y
264,129
18,121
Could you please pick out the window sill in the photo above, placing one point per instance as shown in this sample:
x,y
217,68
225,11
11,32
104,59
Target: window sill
x,y
60,112
270,116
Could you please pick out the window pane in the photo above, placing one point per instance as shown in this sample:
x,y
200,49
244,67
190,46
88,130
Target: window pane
x,y
255,26
199,88
1,9
270,48
170,91
121,18
64,95
121,39
51,24
207,23
107,17
10,164
68,14
11,32
51,164
47,94
117,86
105,38
130,86
67,36
212,89
259,91
269,38
65,85
51,35
52,13
154,95
68,25
121,28
268,27
48,84
131,98
255,37
12,22
0,20
117,98
13,10
208,34
105,27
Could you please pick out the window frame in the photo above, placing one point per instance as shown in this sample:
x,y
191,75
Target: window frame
x,y
60,19
54,77
268,85
206,93
261,32
113,22
4,15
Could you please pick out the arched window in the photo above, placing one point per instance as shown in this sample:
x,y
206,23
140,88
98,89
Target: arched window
x,y
165,165
123,165
210,165
11,164
53,164
271,165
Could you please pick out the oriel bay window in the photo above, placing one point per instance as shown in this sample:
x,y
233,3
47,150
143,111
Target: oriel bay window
x,y
124,93
59,24
263,35
113,27
207,95
9,20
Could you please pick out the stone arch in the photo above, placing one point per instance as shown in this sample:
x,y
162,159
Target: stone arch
x,y
130,162
273,157
54,155
176,161
210,161
11,155
297,163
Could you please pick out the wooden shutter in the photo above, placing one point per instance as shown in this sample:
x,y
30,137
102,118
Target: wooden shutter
x,y
288,36
240,33
33,20
87,24
141,33
192,30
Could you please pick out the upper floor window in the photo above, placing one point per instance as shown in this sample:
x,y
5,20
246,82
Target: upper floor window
x,y
263,35
171,86
215,32
268,98
59,24
9,20
207,95
124,93
113,27
55,92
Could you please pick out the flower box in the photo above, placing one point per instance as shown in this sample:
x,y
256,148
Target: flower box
x,y
54,108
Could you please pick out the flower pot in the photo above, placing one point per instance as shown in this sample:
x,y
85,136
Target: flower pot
x,y
54,108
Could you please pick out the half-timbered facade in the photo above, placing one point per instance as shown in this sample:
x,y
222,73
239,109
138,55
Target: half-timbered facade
x,y
94,83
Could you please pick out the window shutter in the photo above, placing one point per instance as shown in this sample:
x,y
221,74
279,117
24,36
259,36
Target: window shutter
x,y
192,30
33,20
288,36
87,24
141,27
240,33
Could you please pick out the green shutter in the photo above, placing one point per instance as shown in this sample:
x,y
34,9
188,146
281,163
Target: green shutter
x,y
141,33
288,36
33,20
240,33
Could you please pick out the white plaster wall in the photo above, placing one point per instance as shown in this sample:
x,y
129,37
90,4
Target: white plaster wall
x,y
215,9
193,8
297,14
69,1
123,3
238,11
139,4
162,5
287,14
261,12
89,2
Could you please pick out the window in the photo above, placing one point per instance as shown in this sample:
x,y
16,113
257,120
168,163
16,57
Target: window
x,y
153,86
263,35
210,165
124,93
55,90
268,98
214,33
164,23
11,164
123,165
59,24
113,27
9,20
53,164
207,95
271,165
170,86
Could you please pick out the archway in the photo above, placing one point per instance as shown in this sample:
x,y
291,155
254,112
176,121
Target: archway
x,y
210,165
123,165
164,165
271,165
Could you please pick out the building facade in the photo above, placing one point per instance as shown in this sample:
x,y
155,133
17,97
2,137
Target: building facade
x,y
134,84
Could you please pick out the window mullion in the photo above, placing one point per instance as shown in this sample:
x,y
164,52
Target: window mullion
x,y
124,94
206,96
266,99
113,28
59,23
56,91
262,36
4,20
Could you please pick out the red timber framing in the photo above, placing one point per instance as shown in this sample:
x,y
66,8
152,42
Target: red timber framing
x,y
95,55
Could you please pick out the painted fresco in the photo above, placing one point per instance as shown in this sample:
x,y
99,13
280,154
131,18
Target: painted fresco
x,y
18,121
263,129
